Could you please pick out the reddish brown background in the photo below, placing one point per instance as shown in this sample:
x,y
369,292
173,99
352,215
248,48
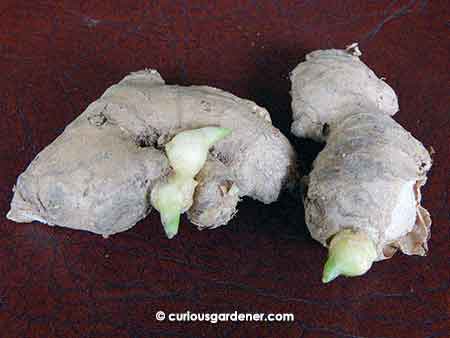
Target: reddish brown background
x,y
57,56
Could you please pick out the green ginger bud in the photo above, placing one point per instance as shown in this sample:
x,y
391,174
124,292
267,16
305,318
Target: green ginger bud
x,y
187,153
350,254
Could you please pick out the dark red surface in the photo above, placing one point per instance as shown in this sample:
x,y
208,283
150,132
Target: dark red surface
x,y
57,56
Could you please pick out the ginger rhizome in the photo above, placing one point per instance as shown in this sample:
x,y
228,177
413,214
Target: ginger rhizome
x,y
362,197
143,143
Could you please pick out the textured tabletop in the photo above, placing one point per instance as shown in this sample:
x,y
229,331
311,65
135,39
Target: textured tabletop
x,y
58,56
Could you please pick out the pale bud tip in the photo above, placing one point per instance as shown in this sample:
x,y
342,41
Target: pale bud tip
x,y
170,221
330,271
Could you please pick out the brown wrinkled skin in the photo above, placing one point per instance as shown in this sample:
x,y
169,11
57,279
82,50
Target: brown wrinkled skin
x,y
356,181
98,174
215,199
368,159
331,83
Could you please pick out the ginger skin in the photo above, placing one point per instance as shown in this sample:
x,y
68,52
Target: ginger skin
x,y
99,174
362,199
